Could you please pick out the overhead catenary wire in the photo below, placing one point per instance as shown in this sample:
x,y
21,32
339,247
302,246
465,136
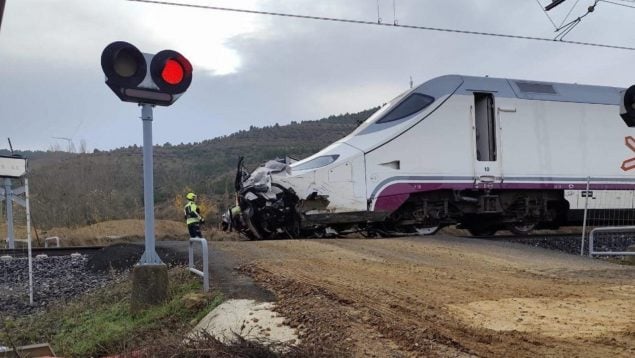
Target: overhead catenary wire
x,y
569,13
547,14
365,22
618,4
566,29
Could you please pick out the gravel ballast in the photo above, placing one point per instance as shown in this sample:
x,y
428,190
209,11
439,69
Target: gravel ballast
x,y
55,279
571,244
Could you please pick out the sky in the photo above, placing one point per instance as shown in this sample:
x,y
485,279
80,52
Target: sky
x,y
260,70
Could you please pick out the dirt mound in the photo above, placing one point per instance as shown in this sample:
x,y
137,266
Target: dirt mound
x,y
121,257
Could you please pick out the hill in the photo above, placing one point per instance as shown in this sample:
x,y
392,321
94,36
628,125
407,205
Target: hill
x,y
80,189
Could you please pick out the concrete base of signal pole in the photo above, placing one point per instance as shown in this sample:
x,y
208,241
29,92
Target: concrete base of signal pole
x,y
149,286
150,275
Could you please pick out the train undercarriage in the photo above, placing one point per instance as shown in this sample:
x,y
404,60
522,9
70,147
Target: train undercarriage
x,y
267,210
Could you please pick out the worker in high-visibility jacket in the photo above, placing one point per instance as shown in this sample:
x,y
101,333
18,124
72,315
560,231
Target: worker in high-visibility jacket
x,y
193,217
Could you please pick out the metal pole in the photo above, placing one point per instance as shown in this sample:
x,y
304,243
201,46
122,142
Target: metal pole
x,y
2,3
28,239
9,199
586,206
150,256
190,261
205,255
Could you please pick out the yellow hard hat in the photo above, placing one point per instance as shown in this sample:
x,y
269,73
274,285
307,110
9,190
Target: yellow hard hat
x,y
191,196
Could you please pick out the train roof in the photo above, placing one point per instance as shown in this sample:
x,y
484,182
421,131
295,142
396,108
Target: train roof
x,y
525,89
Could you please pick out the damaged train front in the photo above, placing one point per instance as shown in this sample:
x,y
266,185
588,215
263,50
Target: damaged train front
x,y
264,208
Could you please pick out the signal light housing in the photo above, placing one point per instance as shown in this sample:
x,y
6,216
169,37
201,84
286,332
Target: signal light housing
x,y
627,106
128,75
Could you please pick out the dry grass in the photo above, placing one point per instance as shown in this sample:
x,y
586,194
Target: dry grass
x,y
100,323
117,231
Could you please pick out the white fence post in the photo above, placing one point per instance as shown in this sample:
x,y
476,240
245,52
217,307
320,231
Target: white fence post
x,y
586,207
204,253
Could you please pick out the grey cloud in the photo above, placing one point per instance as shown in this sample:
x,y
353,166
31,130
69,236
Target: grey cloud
x,y
296,69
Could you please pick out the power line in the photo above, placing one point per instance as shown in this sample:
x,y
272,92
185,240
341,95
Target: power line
x,y
569,13
364,22
547,14
618,4
571,25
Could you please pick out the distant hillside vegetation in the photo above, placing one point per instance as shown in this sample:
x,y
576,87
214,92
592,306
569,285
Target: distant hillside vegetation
x,y
78,189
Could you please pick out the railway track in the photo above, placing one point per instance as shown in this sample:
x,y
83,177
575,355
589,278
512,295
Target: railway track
x,y
51,251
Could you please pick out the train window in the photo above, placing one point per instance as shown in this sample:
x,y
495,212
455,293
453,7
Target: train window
x,y
316,162
409,106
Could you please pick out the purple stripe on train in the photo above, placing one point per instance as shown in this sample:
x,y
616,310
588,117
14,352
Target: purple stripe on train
x,y
394,195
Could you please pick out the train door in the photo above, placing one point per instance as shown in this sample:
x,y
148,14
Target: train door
x,y
487,163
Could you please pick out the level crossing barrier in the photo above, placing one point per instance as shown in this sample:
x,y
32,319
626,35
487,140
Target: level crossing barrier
x,y
205,254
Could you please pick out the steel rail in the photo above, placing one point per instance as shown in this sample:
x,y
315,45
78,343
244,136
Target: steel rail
x,y
51,251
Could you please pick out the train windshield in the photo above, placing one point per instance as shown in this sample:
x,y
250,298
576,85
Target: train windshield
x,y
409,106
315,162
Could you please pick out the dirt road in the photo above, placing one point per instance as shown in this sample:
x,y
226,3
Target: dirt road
x,y
444,297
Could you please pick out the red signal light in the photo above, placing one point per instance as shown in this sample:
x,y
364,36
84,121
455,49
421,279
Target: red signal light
x,y
172,72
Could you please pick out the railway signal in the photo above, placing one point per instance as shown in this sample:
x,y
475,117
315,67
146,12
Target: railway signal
x,y
149,80
158,79
627,106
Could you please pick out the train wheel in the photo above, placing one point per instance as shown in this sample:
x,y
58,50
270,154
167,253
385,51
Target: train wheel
x,y
523,229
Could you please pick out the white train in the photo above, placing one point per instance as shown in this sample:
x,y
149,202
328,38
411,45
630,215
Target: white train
x,y
485,153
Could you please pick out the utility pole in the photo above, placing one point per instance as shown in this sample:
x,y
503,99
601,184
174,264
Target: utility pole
x,y
2,3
